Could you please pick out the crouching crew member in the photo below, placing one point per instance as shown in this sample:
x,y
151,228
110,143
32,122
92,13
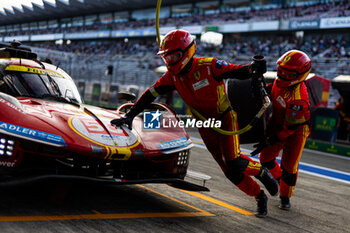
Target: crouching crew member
x,y
288,127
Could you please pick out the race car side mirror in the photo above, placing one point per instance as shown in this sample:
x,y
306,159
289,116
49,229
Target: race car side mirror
x,y
126,96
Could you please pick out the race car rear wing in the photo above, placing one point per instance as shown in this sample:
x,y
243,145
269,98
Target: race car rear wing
x,y
15,49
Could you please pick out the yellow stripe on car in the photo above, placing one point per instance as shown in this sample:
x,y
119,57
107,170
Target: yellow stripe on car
x,y
31,70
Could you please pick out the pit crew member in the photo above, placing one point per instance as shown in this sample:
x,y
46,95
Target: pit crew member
x,y
200,82
288,127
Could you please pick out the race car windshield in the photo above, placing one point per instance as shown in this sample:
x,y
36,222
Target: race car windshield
x,y
42,85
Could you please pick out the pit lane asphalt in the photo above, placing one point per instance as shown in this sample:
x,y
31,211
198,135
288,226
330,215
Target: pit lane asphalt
x,y
319,205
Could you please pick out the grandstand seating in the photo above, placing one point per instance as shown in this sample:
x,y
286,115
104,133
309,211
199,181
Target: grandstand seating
x,y
89,58
316,11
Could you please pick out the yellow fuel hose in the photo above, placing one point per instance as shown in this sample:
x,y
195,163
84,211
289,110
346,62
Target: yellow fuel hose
x,y
159,3
200,116
243,130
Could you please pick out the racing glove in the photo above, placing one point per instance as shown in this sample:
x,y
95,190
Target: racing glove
x,y
125,120
270,141
138,107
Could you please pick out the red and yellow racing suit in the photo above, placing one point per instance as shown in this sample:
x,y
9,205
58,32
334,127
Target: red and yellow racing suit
x,y
203,88
289,121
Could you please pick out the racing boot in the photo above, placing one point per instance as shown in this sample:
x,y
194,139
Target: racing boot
x,y
268,181
284,203
261,200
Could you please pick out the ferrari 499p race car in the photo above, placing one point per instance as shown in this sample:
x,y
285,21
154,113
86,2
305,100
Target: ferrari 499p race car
x,y
46,131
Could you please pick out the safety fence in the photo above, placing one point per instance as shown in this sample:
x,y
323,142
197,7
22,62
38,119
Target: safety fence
x,y
139,69
100,78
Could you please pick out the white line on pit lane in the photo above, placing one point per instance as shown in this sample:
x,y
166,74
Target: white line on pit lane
x,y
308,166
305,149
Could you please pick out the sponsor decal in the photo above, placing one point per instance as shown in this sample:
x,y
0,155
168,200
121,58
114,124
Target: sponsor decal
x,y
32,70
296,107
11,105
32,134
281,101
97,150
200,84
181,142
7,164
220,63
92,130
205,61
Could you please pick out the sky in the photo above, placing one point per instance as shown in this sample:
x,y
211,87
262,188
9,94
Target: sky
x,y
17,3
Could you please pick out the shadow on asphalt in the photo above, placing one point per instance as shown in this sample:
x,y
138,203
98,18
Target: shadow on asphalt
x,y
64,198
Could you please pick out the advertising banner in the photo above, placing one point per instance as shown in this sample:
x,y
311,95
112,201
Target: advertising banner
x,y
235,27
56,36
193,29
81,35
304,24
328,147
87,35
119,33
165,30
324,124
149,32
20,38
103,34
265,26
339,22
134,33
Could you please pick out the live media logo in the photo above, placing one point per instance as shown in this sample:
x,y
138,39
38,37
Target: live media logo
x,y
155,120
152,120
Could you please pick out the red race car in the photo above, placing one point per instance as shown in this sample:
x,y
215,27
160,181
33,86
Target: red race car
x,y
46,131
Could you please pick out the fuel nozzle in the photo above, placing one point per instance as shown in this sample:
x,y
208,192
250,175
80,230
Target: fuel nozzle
x,y
259,65
15,44
259,68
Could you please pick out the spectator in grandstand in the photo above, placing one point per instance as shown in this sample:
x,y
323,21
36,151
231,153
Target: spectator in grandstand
x,y
233,15
200,82
288,127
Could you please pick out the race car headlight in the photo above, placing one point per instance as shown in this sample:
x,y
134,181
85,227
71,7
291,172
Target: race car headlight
x,y
6,146
182,158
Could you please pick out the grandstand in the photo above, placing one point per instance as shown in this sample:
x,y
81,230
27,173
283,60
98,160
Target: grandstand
x,y
85,36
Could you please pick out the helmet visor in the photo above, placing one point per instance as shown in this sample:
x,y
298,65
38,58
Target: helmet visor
x,y
287,75
173,57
